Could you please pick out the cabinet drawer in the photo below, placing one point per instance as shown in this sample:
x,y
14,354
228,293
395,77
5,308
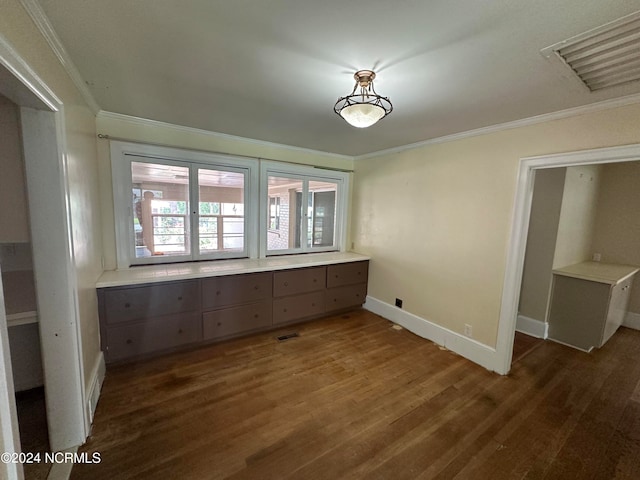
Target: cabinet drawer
x,y
235,289
158,334
347,274
303,280
137,303
298,307
229,321
345,297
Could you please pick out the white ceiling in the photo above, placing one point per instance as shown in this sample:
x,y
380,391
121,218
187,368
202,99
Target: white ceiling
x,y
272,69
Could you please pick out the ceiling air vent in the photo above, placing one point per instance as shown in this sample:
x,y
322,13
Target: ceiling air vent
x,y
604,57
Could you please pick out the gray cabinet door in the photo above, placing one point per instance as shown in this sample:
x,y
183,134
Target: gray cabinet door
x,y
236,289
301,280
345,297
231,321
298,307
137,303
132,340
347,274
577,312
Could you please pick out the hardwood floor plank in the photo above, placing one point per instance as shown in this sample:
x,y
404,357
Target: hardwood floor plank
x,y
352,397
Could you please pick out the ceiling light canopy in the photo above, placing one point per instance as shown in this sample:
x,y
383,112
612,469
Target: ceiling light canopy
x,y
366,107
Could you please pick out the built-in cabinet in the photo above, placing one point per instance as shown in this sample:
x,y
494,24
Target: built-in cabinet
x,y
138,320
589,302
236,304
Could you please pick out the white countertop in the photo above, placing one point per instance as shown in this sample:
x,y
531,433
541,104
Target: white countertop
x,y
598,272
185,271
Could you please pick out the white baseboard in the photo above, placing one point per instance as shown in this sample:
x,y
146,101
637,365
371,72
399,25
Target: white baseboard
x,y
97,377
632,320
533,327
467,347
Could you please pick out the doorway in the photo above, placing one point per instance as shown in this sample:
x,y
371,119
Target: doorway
x,y
43,148
520,227
19,289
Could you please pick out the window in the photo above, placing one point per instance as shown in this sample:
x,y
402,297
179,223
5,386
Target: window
x,y
185,205
174,205
161,205
305,209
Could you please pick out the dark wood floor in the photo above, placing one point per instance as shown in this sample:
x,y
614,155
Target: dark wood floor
x,y
353,398
34,435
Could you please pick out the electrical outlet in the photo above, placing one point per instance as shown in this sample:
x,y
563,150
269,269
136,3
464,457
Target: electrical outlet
x,y
596,257
468,330
398,303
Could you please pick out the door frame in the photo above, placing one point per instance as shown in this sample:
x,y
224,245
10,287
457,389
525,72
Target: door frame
x,y
43,123
520,229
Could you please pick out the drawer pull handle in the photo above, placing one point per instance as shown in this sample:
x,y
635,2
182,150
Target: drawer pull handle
x,y
256,316
313,304
179,330
129,341
315,280
127,305
256,287
218,292
180,297
286,284
219,324
284,310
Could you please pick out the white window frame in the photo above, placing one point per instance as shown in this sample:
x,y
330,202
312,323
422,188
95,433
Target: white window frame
x,y
123,153
306,174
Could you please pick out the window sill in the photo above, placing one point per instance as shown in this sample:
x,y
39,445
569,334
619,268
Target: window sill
x,y
185,271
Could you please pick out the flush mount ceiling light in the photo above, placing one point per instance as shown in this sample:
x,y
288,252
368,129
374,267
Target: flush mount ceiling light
x,y
366,107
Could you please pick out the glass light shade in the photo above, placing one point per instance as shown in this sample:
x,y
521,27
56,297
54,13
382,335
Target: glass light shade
x,y
362,115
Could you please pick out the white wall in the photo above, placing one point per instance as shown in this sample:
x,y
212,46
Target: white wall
x,y
437,219
14,216
577,222
617,233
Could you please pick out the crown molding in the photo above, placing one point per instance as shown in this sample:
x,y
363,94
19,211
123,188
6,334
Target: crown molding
x,y
20,69
221,136
546,117
38,16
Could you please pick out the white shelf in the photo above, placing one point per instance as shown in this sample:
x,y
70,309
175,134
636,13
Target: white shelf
x,y
609,273
23,318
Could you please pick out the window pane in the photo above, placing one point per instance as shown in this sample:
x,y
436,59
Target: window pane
x,y
161,206
285,213
322,214
221,198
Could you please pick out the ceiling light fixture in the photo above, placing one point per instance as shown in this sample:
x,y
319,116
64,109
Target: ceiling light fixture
x,y
366,107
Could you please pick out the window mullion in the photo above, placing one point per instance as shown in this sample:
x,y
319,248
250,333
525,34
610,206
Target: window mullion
x,y
304,228
194,210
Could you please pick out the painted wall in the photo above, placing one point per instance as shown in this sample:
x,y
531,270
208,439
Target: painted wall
x,y
14,215
617,234
436,219
577,215
541,242
19,30
158,133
